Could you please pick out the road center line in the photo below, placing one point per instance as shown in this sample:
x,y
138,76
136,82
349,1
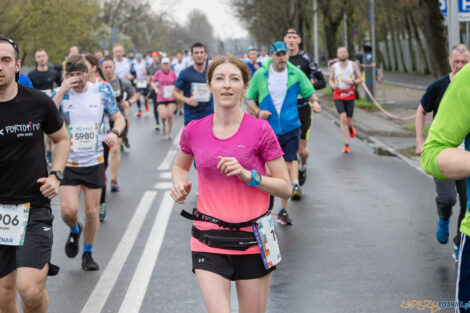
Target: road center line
x,y
139,284
110,275
168,161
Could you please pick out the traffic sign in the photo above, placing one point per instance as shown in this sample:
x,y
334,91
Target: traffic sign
x,y
464,9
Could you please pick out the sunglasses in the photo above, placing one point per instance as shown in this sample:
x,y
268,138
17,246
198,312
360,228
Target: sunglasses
x,y
11,42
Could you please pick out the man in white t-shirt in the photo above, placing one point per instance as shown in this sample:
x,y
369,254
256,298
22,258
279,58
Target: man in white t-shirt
x,y
123,65
263,56
140,81
179,65
86,108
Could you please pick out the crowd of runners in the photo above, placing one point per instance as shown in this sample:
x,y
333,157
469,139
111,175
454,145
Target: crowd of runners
x,y
247,123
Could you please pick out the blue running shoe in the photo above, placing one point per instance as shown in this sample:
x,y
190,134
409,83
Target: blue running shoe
x,y
442,233
456,253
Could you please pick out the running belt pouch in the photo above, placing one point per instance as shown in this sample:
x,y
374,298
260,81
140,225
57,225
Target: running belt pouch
x,y
225,239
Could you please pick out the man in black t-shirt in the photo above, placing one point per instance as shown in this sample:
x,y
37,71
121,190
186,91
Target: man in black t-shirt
x,y
446,190
43,79
25,186
307,64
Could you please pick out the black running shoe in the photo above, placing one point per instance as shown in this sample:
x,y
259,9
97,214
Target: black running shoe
x,y
302,177
296,193
283,218
88,264
71,247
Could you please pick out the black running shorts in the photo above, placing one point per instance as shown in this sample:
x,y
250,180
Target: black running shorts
x,y
166,102
232,267
37,247
91,177
345,106
305,115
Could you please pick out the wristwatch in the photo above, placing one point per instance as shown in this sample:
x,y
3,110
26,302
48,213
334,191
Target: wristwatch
x,y
58,174
116,132
255,178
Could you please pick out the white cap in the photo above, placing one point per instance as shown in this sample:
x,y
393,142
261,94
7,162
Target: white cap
x,y
165,60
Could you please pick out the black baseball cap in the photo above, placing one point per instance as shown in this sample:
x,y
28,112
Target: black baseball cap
x,y
15,46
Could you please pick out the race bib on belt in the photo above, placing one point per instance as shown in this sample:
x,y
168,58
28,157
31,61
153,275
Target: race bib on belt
x,y
201,92
13,222
48,92
84,138
267,241
167,90
141,83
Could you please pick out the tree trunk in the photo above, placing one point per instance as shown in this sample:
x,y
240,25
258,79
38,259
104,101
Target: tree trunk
x,y
394,47
419,43
400,47
435,34
331,25
388,65
410,43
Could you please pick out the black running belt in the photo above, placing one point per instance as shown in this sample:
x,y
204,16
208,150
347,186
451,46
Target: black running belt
x,y
198,216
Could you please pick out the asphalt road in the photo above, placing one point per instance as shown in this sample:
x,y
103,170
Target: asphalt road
x,y
363,238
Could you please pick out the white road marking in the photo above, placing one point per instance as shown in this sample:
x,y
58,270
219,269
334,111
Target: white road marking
x,y
110,275
164,175
138,286
176,142
168,161
164,185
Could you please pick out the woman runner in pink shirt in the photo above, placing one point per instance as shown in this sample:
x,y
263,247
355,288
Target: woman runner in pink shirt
x,y
165,78
231,149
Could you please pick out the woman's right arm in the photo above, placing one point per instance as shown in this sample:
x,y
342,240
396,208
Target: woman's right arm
x,y
180,176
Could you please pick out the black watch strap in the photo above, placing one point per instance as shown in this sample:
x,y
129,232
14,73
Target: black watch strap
x,y
116,132
58,174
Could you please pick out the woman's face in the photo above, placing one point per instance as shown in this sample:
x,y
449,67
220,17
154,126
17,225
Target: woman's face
x,y
91,71
227,86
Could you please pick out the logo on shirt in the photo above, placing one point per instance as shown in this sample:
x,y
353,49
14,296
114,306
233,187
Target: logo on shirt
x,y
44,228
21,130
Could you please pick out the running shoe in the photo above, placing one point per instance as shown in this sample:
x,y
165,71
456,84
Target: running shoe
x,y
296,192
114,185
157,126
146,107
302,177
283,218
181,113
456,252
126,143
122,147
352,132
139,114
88,264
442,232
71,246
102,211
346,148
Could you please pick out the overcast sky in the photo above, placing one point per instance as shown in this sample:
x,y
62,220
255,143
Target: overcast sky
x,y
218,12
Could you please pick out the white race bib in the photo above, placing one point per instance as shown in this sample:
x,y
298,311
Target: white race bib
x,y
167,90
84,138
13,222
267,241
141,83
201,92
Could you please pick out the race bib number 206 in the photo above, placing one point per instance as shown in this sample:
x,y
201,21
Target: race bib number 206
x,y
13,222
267,241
